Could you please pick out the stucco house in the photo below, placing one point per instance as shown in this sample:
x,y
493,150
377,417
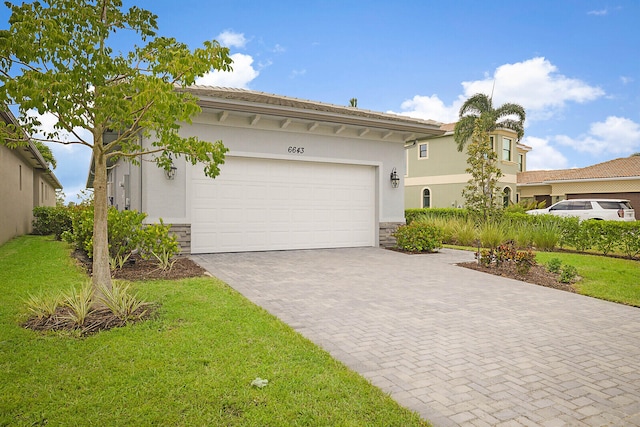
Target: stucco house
x,y
435,169
25,182
617,178
300,174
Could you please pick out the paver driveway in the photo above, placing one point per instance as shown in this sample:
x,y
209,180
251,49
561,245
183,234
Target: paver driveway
x,y
458,346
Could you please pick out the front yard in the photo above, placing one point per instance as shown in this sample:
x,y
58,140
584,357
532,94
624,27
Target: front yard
x,y
192,364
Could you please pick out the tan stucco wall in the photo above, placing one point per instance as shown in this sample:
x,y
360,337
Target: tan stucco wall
x,y
443,171
16,195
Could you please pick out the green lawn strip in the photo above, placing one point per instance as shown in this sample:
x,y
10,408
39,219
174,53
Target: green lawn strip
x,y
612,279
190,365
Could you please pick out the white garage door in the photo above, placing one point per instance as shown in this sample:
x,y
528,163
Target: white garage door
x,y
265,204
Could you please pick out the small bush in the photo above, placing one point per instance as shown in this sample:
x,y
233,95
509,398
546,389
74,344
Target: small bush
x,y
446,213
52,220
156,242
630,238
524,261
419,237
568,274
554,265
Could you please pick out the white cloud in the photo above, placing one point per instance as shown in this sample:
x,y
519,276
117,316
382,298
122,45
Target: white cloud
x,y
230,39
536,85
243,73
626,80
543,155
616,135
600,12
430,108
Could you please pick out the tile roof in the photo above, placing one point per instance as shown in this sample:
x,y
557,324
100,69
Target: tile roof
x,y
625,167
245,95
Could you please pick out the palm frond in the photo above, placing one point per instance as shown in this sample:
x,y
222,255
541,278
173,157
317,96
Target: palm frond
x,y
463,131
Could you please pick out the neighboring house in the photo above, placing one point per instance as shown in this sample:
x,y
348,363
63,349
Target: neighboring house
x,y
436,170
25,182
618,178
299,175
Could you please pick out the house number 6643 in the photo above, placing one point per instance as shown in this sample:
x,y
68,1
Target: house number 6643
x,y
296,150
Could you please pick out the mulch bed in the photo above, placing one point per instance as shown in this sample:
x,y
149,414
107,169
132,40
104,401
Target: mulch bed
x,y
101,318
538,275
137,268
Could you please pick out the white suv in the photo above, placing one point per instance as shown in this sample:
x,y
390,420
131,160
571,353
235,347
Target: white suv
x,y
603,209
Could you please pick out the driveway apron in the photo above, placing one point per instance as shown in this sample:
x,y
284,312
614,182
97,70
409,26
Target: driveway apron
x,y
458,346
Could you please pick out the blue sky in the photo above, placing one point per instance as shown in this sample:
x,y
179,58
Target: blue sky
x,y
573,64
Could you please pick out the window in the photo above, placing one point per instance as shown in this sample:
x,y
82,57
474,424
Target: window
x,y
506,149
426,198
423,151
506,196
493,147
520,162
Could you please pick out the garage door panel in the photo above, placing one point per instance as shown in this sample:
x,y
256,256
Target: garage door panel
x,y
265,204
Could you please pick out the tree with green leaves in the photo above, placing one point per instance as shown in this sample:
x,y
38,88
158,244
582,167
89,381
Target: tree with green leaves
x,y
507,116
481,193
478,119
59,57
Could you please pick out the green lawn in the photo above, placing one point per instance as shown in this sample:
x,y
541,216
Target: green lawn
x,y
612,279
191,365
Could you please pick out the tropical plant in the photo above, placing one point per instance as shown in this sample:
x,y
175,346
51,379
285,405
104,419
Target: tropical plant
x,y
481,192
59,57
507,116
121,302
43,306
79,303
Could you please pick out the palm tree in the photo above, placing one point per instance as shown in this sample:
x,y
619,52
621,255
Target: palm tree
x,y
507,116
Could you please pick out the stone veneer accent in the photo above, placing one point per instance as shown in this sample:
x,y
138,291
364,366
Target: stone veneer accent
x,y
386,239
183,232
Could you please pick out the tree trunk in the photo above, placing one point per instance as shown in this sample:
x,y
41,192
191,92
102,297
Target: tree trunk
x,y
101,269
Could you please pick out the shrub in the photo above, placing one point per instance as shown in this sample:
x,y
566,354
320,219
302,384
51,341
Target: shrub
x,y
630,238
505,252
51,220
124,231
554,265
524,261
419,237
447,213
156,242
568,274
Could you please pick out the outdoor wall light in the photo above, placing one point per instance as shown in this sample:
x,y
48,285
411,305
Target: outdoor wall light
x,y
171,173
395,180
